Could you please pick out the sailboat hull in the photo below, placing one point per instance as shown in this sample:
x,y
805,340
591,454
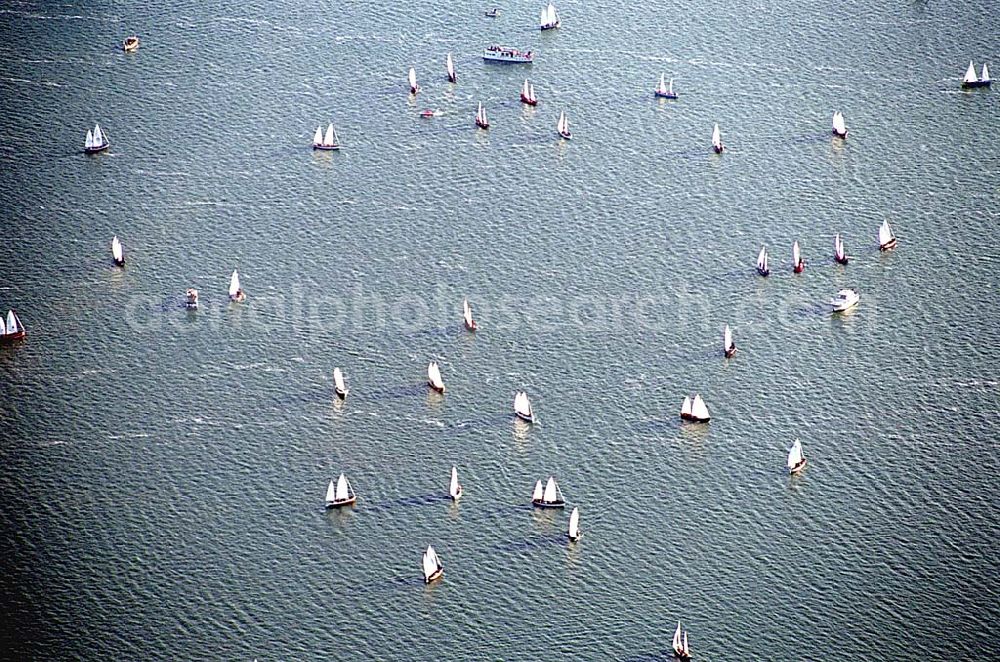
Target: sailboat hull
x,y
889,245
340,503
471,327
692,419
840,260
798,467
482,125
967,85
565,135
731,352
239,297
800,267
575,538
437,389
9,338
718,150
539,503
341,393
120,263
550,26
763,272
525,417
839,134
326,148
457,495
665,95
435,575
530,102
95,150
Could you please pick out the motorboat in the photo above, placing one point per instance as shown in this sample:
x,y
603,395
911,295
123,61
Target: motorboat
x,y
498,53
846,298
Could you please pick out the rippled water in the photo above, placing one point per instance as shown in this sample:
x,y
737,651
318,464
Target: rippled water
x,y
163,471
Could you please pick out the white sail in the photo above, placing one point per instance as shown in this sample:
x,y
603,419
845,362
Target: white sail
x,y
796,253
3,327
450,66
434,375
531,92
453,488
762,259
970,73
90,139
553,15
686,406
574,524
986,73
551,491
687,650
677,638
727,338
328,139
343,488
467,312
331,492
884,234
670,87
536,495
838,247
522,405
563,125
543,18
838,123
318,136
716,137
413,78
338,379
98,136
699,409
662,87
795,455
431,562
234,284
12,325
116,248
481,115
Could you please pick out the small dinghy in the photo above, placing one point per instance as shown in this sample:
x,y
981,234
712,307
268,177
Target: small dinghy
x,y
236,293
798,264
470,323
492,13
665,90
846,298
96,141
886,239
481,120
414,88
528,94
432,565
971,80
11,328
339,386
839,126
340,495
191,299
428,113
680,644
434,377
550,497
117,253
563,126
328,141
839,252
549,20
574,525
449,66
455,488
522,407
762,267
695,409
130,44
796,461
717,145
728,346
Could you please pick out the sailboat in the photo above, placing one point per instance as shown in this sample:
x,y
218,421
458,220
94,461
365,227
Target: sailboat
x,y
762,268
839,252
470,323
796,461
191,298
481,120
340,495
414,88
971,80
839,126
450,67
522,407
574,525
97,140
728,346
549,20
528,94
130,44
455,489
694,409
563,126
886,239
339,386
12,329
432,565
236,292
550,497
434,377
328,141
717,140
798,264
680,644
117,252
665,90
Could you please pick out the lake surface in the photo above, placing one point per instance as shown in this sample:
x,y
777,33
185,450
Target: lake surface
x,y
163,470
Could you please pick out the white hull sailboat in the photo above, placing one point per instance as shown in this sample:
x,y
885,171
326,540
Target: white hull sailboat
x,y
796,461
971,80
665,90
12,329
328,141
96,141
728,346
717,145
470,323
798,264
341,494
414,88
528,94
886,239
482,121
549,19
431,565
450,68
563,126
839,126
117,252
762,267
522,407
454,488
434,377
839,252
550,497
574,525
339,386
695,409
236,293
